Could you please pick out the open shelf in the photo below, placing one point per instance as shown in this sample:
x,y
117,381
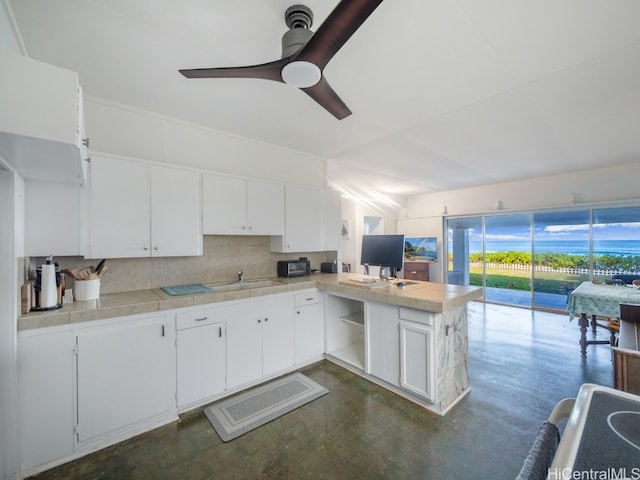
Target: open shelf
x,y
352,354
355,318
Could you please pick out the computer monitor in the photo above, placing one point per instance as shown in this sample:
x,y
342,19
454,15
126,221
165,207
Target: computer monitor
x,y
386,251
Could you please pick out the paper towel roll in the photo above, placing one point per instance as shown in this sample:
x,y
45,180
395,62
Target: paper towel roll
x,y
48,288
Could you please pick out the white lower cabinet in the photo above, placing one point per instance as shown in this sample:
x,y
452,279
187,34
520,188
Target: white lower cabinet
x,y
123,376
401,348
308,327
260,339
417,359
201,357
45,395
383,342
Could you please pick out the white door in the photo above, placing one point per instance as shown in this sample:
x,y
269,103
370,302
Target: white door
x,y
265,208
122,375
244,349
308,332
224,205
45,396
417,349
202,357
277,339
119,218
175,212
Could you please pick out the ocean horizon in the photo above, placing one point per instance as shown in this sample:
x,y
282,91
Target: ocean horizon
x,y
569,247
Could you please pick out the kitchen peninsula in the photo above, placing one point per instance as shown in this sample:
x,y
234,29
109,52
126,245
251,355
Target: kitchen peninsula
x,y
410,339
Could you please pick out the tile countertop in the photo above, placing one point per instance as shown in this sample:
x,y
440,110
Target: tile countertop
x,y
434,297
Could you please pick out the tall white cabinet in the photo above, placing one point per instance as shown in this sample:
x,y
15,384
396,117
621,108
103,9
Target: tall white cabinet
x,y
139,209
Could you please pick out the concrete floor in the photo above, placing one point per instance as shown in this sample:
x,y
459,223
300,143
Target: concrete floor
x,y
521,363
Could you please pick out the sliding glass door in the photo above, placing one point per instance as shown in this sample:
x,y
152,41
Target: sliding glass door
x,y
508,259
616,242
560,256
537,259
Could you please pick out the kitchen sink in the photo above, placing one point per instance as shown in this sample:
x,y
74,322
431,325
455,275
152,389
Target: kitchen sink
x,y
246,285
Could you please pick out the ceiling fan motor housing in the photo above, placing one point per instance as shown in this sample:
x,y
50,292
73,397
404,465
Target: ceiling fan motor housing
x,y
299,19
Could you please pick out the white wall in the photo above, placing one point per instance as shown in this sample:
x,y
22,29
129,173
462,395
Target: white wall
x,y
123,130
595,186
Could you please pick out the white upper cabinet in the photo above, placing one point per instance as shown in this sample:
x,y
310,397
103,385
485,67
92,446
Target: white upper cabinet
x,y
234,206
41,121
312,221
331,220
140,210
53,219
175,212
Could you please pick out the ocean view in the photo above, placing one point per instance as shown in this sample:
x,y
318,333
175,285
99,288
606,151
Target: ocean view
x,y
570,247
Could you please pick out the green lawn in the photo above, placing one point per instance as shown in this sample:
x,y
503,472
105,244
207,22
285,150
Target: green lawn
x,y
545,282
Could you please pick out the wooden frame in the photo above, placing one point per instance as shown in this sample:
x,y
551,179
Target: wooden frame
x,y
626,369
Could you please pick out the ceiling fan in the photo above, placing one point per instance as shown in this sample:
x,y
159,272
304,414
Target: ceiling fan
x,y
305,54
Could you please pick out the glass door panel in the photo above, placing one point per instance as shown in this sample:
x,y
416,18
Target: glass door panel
x,y
508,259
560,256
465,251
616,243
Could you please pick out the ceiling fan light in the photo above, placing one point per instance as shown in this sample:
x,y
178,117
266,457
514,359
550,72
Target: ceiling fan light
x,y
301,74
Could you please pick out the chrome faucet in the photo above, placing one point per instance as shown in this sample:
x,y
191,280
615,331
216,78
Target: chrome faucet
x,y
241,276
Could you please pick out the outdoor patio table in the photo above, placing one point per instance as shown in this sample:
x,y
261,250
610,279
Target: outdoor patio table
x,y
598,300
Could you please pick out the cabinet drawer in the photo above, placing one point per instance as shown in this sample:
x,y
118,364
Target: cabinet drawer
x,y
419,316
309,298
195,319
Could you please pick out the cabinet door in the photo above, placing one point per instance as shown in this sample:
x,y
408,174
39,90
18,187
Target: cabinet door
x,y
201,363
244,349
277,339
55,234
224,205
308,332
45,396
119,220
417,359
417,271
175,212
331,220
383,343
303,221
123,376
265,208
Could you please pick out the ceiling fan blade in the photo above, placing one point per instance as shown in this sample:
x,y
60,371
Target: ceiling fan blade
x,y
322,93
334,32
265,71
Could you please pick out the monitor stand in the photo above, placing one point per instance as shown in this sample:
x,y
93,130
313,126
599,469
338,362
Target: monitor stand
x,y
385,273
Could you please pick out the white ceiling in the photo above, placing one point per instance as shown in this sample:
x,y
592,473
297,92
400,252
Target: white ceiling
x,y
444,93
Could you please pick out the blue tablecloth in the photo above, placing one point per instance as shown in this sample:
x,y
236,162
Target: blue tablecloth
x,y
600,299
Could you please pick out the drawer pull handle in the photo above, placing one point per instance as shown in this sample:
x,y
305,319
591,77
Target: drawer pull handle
x,y
202,319
309,299
220,332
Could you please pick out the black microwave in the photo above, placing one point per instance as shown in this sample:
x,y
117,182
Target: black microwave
x,y
294,268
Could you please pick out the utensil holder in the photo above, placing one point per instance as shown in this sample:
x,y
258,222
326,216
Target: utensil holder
x,y
84,290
